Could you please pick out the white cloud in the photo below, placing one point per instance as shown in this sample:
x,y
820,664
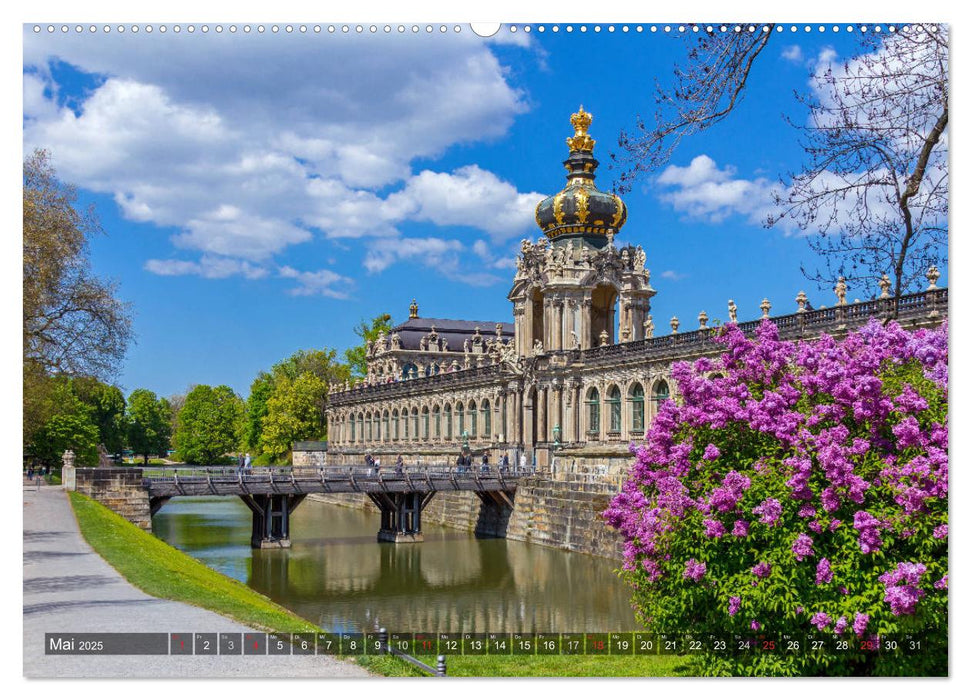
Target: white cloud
x,y
442,256
672,275
703,191
320,282
210,267
793,53
251,144
467,195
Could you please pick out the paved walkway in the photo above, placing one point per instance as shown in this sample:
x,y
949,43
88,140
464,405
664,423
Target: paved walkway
x,y
69,588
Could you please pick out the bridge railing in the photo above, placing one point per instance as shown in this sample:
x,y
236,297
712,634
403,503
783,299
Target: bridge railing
x,y
357,472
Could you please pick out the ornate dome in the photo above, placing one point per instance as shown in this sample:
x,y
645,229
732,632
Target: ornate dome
x,y
580,209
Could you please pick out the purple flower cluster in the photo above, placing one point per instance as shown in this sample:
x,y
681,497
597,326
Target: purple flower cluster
x,y
821,620
694,570
900,587
869,529
802,547
770,509
824,574
835,440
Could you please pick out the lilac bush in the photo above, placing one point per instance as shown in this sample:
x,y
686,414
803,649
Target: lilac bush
x,y
797,488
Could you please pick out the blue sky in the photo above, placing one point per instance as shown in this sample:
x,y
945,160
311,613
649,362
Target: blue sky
x,y
262,194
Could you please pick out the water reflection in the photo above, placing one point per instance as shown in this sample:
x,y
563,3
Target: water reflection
x,y
340,577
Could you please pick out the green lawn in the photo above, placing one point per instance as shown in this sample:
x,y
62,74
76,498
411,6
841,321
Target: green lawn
x,y
539,666
164,572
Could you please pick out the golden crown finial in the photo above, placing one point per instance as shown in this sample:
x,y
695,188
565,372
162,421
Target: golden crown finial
x,y
581,141
413,309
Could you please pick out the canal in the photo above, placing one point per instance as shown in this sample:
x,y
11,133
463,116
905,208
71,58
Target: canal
x,y
338,576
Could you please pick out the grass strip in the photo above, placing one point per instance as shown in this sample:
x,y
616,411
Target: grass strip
x,y
540,666
163,571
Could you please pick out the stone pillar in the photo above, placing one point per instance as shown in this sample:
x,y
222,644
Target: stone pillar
x,y
68,473
586,306
558,328
529,438
558,410
542,398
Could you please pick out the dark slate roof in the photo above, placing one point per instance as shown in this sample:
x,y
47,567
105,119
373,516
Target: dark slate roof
x,y
455,331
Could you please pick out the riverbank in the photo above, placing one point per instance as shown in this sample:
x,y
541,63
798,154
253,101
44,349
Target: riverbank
x,y
69,588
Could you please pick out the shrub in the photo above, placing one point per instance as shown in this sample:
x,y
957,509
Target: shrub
x,y
797,488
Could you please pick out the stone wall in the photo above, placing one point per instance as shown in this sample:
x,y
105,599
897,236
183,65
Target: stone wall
x,y
309,458
119,489
554,513
565,514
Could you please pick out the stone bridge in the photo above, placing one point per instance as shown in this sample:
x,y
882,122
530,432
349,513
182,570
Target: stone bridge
x,y
272,494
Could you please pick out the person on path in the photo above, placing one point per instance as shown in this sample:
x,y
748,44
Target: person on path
x,y
247,464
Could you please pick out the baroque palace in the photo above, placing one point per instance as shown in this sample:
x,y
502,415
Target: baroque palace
x,y
580,372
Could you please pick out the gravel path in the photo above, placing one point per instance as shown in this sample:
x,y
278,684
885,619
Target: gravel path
x,y
69,588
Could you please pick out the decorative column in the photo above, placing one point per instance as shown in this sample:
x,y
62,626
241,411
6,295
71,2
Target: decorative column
x,y
586,306
542,399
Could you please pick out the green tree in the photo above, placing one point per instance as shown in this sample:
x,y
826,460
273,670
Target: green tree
x,y
295,411
107,405
259,393
149,423
356,357
72,322
69,424
209,424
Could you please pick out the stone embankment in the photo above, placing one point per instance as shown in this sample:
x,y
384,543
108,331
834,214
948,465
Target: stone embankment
x,y
563,513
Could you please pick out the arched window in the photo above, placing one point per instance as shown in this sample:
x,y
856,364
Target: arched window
x,y
353,431
387,425
448,422
369,426
661,393
404,424
377,427
437,412
460,419
409,371
414,422
360,426
636,397
486,420
473,423
613,404
593,410
424,423
394,425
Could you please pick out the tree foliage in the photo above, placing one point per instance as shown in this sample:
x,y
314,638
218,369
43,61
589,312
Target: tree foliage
x,y
259,393
107,405
69,424
294,411
149,424
356,357
73,324
289,403
209,424
798,489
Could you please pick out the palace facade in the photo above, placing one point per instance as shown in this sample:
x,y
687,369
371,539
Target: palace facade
x,y
579,373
